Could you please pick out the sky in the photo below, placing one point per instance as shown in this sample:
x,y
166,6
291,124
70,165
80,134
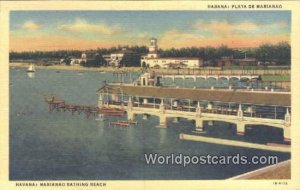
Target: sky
x,y
81,30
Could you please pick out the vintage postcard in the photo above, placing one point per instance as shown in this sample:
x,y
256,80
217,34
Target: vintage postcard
x,y
149,95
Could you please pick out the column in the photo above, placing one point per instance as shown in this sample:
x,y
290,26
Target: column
x,y
287,134
145,101
142,81
287,117
240,128
198,110
163,121
199,124
287,126
130,105
146,80
107,99
122,99
100,100
240,113
130,115
162,106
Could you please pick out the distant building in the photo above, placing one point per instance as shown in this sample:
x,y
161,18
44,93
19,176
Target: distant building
x,y
248,61
226,61
230,61
123,57
153,59
89,54
76,61
172,62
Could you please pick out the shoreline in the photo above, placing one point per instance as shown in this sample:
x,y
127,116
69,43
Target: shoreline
x,y
75,68
282,76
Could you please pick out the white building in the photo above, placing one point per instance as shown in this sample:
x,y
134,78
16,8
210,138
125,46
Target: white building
x,y
172,62
114,59
152,59
76,61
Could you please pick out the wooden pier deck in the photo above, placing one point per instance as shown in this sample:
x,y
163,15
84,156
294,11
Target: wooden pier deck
x,y
61,105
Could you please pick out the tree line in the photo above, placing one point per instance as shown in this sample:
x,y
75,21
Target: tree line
x,y
279,54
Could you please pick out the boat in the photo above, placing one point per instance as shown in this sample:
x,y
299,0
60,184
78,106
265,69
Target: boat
x,y
31,68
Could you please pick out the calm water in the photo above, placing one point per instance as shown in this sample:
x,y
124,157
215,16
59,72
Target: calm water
x,y
46,146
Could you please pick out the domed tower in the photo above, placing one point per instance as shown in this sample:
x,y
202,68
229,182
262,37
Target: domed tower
x,y
153,45
153,49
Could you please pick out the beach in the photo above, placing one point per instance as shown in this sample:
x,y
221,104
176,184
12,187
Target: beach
x,y
75,68
200,71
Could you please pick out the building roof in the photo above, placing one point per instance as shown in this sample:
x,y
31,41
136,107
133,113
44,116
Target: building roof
x,y
177,58
259,98
176,64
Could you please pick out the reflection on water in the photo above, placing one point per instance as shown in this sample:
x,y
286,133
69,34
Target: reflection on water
x,y
30,74
162,135
59,145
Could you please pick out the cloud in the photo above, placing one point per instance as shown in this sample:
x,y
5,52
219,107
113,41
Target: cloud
x,y
224,28
218,32
56,42
142,35
81,25
175,38
30,25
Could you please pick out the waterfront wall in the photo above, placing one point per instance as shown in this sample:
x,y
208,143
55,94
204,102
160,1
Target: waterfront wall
x,y
183,136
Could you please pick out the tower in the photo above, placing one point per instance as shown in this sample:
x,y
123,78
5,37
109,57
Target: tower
x,y
153,49
153,45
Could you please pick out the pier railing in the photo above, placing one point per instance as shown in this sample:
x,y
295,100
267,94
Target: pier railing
x,y
221,110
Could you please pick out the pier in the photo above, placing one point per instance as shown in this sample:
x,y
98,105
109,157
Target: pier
x,y
62,106
236,107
